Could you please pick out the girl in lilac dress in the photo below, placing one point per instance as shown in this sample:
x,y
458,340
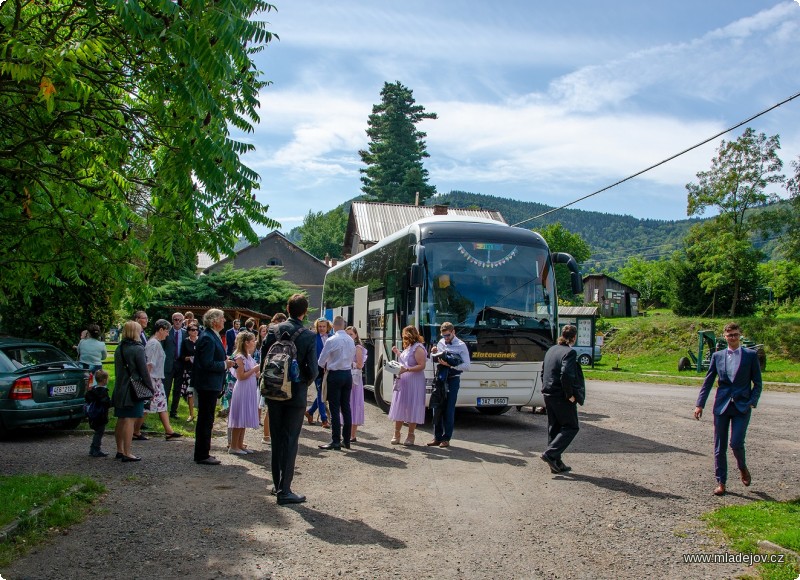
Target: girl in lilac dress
x,y
244,400
357,393
408,397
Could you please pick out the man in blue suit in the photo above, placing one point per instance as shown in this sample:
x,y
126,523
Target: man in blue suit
x,y
230,337
738,390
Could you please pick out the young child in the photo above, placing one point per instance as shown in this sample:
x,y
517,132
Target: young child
x,y
97,405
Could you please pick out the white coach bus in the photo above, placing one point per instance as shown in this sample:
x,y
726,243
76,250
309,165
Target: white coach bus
x,y
494,282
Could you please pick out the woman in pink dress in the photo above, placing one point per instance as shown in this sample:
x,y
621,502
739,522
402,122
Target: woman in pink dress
x,y
408,397
244,400
357,393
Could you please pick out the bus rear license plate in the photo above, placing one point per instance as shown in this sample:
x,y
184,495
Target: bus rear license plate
x,y
63,390
492,401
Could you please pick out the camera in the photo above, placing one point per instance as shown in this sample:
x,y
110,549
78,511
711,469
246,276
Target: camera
x,y
235,366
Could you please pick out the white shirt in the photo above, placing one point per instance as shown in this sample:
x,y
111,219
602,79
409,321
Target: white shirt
x,y
338,352
456,346
156,357
732,360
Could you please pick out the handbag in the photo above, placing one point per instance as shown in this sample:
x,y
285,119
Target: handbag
x,y
141,391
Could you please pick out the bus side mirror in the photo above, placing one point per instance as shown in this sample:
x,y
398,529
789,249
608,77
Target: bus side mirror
x,y
416,276
577,282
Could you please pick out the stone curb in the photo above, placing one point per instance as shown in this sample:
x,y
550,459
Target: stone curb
x,y
768,546
10,530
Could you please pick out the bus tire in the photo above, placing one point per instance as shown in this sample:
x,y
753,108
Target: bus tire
x,y
493,410
379,400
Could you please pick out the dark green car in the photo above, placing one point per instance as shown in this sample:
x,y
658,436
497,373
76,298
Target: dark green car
x,y
39,385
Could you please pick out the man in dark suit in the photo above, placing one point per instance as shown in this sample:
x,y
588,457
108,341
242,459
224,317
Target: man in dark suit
x,y
563,388
738,390
230,337
173,363
141,317
208,376
286,417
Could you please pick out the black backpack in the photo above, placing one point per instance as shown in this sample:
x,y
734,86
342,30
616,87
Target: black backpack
x,y
280,367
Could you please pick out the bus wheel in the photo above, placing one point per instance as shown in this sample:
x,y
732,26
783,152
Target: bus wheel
x,y
492,410
379,400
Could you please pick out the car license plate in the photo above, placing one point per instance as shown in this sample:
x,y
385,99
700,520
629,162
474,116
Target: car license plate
x,y
63,390
492,401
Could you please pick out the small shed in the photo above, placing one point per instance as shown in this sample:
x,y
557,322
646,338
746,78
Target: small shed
x,y
614,298
585,319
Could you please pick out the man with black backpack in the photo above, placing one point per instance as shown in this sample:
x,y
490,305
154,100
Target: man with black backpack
x,y
286,416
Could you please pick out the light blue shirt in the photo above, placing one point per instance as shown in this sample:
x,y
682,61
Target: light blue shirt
x,y
732,360
92,351
338,352
456,346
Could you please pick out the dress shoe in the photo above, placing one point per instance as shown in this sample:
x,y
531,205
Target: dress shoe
x,y
326,425
554,468
329,446
720,489
746,479
171,436
562,466
273,490
237,452
98,454
346,444
310,418
284,498
434,443
444,444
118,455
130,458
140,437
209,461
409,442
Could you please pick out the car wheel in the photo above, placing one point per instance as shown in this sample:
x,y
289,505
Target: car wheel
x,y
492,410
585,360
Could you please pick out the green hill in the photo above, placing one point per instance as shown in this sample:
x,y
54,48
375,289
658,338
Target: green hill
x,y
613,238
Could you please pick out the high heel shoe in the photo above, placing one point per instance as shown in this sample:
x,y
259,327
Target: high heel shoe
x,y
396,439
409,441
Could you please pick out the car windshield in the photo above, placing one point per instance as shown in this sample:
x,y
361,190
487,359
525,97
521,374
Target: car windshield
x,y
19,357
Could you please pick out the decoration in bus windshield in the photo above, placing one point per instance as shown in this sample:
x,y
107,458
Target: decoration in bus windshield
x,y
488,249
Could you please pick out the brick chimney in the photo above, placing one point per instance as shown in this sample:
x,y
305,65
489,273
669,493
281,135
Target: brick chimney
x,y
439,210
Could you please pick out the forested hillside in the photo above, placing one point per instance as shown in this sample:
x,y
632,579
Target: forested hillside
x,y
613,238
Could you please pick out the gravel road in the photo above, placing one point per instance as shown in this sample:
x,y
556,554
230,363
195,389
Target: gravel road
x,y
487,507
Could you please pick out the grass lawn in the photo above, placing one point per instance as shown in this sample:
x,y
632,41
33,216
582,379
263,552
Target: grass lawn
x,y
32,491
777,522
648,348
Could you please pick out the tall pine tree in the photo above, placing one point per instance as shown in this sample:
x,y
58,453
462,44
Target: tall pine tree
x,y
394,171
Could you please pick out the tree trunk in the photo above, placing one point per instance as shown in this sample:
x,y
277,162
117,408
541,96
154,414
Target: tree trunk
x,y
735,300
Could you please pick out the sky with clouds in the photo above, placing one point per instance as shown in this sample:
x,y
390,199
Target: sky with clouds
x,y
536,101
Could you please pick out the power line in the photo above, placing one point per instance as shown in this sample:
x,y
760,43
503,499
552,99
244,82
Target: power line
x,y
637,174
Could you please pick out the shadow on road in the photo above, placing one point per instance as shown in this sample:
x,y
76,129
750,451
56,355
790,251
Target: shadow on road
x,y
335,530
618,485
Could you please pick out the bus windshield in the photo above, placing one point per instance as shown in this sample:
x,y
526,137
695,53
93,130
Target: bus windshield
x,y
488,286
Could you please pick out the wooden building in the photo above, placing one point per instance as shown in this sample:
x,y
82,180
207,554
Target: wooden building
x,y
276,251
614,298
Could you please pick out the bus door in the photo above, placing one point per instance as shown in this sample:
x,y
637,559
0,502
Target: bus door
x,y
390,313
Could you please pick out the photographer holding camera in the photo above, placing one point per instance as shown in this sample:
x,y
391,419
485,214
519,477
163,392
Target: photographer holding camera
x,y
448,351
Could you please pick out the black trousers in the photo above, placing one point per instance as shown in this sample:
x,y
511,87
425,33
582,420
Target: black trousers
x,y
562,424
172,384
340,384
285,423
206,405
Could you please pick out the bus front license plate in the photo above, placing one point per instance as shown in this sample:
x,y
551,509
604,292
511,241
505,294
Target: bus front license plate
x,y
492,401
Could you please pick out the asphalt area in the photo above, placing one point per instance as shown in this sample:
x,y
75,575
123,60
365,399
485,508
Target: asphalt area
x,y
487,507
